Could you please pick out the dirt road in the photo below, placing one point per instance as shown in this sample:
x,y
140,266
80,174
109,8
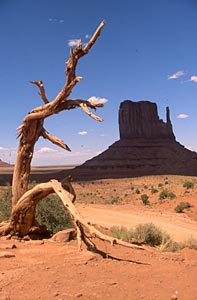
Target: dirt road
x,y
178,226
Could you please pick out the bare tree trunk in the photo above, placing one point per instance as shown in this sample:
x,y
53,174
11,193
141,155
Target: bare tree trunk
x,y
24,202
22,168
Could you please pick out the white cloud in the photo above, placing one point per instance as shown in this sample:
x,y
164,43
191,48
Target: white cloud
x,y
97,100
55,20
73,43
176,75
82,132
87,36
46,150
193,78
182,116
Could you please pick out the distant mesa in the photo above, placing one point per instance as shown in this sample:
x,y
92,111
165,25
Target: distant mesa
x,y
4,164
147,146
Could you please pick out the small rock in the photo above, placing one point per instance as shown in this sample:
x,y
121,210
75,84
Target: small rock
x,y
5,254
64,235
175,296
79,295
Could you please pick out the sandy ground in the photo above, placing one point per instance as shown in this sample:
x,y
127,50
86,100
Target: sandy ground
x,y
58,271
50,270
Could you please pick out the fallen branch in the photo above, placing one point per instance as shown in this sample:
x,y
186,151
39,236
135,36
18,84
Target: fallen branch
x,y
21,222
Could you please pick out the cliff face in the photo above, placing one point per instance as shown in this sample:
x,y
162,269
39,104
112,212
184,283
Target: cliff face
x,y
140,120
147,146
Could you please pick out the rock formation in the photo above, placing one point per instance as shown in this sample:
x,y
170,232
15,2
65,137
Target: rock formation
x,y
4,164
147,146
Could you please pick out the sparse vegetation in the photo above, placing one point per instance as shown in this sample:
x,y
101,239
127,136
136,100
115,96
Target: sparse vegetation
x,y
181,206
122,233
147,234
144,199
153,190
166,194
188,184
114,200
6,204
190,243
50,212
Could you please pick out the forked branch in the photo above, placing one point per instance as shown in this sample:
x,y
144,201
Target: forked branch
x,y
42,90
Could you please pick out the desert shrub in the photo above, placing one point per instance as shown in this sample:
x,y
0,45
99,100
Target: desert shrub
x,y
163,194
121,233
137,191
181,206
171,195
6,204
160,184
153,190
144,199
191,243
188,184
149,234
114,200
51,212
145,187
166,194
167,244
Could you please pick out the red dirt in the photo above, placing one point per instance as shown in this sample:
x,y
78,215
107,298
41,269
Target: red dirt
x,y
50,270
58,271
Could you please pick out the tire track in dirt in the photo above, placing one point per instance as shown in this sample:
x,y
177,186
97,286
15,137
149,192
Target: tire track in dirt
x,y
108,217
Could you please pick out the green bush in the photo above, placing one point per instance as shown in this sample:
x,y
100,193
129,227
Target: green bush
x,y
51,212
114,200
166,194
6,204
181,206
163,194
188,184
144,199
160,184
137,191
149,234
153,190
171,195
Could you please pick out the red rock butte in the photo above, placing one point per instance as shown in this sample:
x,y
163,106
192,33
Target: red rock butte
x,y
147,146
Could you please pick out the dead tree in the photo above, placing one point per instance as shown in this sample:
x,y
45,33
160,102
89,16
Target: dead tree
x,y
24,201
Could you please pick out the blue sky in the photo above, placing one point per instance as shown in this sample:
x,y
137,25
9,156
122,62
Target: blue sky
x,y
146,51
